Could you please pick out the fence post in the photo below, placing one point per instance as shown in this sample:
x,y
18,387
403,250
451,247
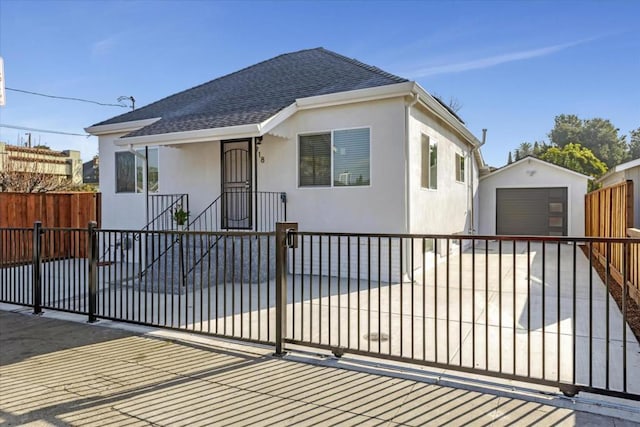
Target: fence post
x,y
93,271
37,264
282,243
283,199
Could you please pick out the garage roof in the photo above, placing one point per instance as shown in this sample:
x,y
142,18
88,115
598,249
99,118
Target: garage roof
x,y
537,160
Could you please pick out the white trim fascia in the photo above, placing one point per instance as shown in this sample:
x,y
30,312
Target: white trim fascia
x,y
120,127
273,121
334,99
189,137
358,95
563,169
259,129
434,106
619,168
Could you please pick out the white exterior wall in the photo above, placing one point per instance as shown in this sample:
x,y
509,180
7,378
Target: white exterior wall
x,y
530,173
189,168
192,169
377,208
195,169
447,209
122,210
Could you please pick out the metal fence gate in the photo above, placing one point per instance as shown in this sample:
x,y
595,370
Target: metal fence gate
x,y
532,309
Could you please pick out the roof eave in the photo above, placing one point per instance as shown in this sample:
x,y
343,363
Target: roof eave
x,y
358,95
124,127
189,137
618,169
517,162
335,99
429,102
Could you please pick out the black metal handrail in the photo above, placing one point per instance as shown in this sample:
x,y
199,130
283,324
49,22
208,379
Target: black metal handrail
x,y
260,210
206,217
165,204
269,207
246,210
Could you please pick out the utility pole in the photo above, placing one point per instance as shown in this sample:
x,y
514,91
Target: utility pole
x,y
130,98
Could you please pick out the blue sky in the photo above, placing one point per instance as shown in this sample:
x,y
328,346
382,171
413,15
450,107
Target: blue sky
x,y
514,66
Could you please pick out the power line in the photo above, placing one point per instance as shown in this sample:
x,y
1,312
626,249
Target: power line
x,y
67,98
42,130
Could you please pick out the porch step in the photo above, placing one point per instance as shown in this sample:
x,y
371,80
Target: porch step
x,y
190,263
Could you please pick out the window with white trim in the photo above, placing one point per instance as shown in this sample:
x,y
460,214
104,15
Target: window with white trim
x,y
460,168
429,153
130,171
341,158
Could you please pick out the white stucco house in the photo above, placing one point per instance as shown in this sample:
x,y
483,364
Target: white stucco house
x,y
354,148
629,171
533,197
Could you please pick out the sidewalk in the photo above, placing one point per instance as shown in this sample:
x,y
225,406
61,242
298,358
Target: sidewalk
x,y
57,372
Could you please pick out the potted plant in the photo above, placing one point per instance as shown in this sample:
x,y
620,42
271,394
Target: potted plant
x,y
180,216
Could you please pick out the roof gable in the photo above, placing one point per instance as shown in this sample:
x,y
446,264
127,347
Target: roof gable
x,y
255,93
619,168
537,160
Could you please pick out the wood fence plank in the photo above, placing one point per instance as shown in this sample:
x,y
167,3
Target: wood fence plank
x,y
609,213
54,210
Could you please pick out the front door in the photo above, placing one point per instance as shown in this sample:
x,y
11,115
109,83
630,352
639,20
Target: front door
x,y
236,184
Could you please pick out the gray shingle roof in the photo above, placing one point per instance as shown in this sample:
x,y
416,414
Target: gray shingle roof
x,y
256,93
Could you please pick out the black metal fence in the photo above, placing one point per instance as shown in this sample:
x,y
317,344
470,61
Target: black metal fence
x,y
523,308
242,210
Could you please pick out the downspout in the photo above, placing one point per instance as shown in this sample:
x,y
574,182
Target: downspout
x,y
405,277
407,171
145,181
472,225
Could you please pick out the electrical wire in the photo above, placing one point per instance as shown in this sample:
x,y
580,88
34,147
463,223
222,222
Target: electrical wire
x,y
2,125
67,98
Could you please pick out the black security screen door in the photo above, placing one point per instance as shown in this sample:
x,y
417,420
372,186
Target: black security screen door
x,y
236,184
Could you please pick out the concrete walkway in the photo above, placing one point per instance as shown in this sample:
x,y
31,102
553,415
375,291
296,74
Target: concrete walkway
x,y
57,372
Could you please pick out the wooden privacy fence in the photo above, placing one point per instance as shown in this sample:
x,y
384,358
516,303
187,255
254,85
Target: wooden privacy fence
x,y
609,213
54,210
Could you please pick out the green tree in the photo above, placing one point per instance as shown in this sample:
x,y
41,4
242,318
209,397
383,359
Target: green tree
x,y
577,158
567,128
539,148
598,135
634,144
525,149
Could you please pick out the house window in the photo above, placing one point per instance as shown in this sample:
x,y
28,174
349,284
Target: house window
x,y
429,153
130,171
340,158
459,168
315,160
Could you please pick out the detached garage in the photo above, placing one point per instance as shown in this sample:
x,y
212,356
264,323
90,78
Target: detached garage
x,y
532,197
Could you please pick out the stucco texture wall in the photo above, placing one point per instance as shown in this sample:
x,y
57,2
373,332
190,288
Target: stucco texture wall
x,y
377,208
531,173
447,209
121,210
187,168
